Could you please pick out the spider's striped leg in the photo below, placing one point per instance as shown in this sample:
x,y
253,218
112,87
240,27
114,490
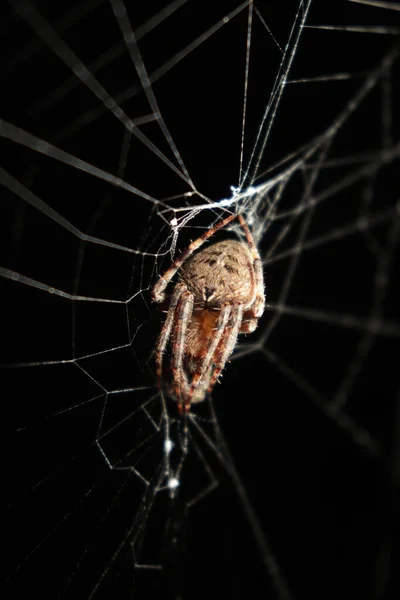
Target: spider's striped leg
x,y
258,306
207,362
183,315
248,324
166,331
227,343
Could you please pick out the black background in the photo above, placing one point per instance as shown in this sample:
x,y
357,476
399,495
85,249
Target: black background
x,y
325,500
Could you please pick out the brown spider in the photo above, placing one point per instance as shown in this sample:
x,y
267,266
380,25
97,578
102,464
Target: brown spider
x,y
219,294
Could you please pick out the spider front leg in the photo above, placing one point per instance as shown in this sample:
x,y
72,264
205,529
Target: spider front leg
x,y
251,316
248,325
258,305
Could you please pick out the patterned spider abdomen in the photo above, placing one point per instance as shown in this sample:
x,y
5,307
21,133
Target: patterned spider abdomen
x,y
220,274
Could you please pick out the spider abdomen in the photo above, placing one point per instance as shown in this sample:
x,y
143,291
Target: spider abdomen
x,y
219,274
200,330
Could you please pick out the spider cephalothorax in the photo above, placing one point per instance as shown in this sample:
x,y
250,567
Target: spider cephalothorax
x,y
219,294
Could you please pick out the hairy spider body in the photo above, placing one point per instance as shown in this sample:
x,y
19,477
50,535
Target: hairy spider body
x,y
220,274
219,294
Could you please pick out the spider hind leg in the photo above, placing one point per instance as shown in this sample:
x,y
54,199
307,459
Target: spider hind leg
x,y
183,314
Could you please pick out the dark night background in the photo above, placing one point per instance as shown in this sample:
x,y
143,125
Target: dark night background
x,y
326,500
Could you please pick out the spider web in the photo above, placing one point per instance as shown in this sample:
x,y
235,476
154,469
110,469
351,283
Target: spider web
x,y
128,131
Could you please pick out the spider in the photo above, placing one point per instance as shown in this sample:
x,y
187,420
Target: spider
x,y
219,294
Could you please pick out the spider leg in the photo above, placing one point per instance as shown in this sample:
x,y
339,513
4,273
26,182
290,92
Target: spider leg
x,y
183,316
248,325
166,331
158,292
258,304
216,338
228,343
